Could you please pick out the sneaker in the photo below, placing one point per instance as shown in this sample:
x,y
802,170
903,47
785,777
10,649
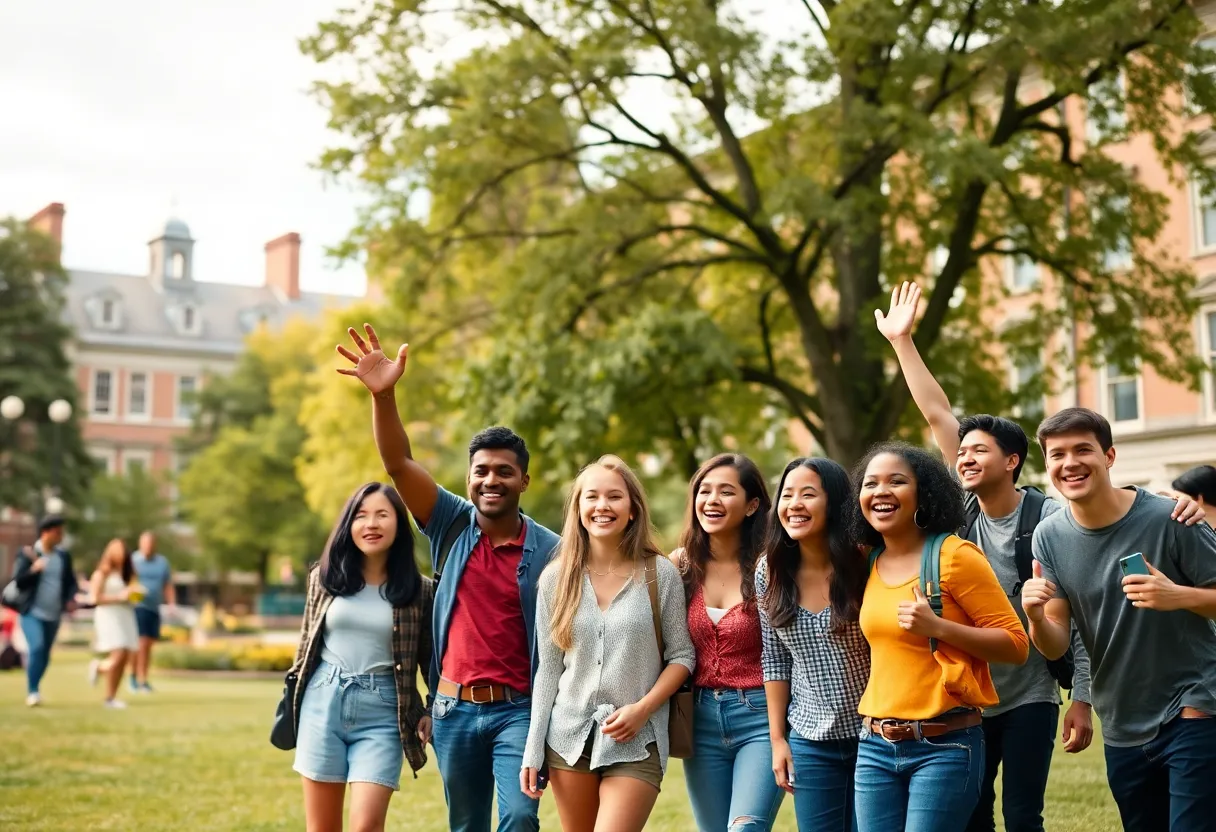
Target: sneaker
x,y
94,671
33,700
145,688
115,704
134,685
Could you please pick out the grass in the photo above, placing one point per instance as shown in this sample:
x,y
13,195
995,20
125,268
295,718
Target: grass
x,y
196,756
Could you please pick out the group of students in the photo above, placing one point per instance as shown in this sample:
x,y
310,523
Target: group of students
x,y
862,642
125,592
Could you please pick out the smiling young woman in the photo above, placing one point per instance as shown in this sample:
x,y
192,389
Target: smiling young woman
x,y
604,739
728,778
921,759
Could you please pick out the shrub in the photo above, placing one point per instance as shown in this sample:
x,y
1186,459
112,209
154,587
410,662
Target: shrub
x,y
277,658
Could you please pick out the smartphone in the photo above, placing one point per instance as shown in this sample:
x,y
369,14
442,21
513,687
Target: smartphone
x,y
542,778
1134,565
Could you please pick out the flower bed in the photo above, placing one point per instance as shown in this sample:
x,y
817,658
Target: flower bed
x,y
219,656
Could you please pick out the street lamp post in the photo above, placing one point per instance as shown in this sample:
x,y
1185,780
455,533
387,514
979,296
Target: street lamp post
x,y
12,408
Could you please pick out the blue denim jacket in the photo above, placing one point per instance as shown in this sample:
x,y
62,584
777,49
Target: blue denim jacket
x,y
540,545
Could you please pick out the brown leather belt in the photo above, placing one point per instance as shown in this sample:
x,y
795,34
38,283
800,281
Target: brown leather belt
x,y
898,730
478,694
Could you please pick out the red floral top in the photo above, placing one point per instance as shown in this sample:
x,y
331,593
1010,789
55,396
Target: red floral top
x,y
728,653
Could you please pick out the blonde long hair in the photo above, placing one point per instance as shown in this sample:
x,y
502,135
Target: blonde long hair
x,y
639,542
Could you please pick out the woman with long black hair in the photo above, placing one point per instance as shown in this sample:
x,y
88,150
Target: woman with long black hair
x,y
728,781
816,662
366,633
920,764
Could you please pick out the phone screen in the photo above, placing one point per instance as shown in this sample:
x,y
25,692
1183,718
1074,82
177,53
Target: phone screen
x,y
1134,564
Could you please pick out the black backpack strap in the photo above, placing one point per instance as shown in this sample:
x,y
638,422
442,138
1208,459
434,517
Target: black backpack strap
x,y
1028,520
449,540
972,514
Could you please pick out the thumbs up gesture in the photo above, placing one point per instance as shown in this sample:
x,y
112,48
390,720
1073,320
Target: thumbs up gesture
x,y
1036,593
916,616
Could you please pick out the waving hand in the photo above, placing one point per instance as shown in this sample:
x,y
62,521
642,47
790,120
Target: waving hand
x,y
372,367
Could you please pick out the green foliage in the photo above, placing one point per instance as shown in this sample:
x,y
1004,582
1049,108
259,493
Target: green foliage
x,y
749,191
240,489
124,506
34,366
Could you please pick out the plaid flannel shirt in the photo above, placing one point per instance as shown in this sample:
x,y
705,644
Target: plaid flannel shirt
x,y
412,646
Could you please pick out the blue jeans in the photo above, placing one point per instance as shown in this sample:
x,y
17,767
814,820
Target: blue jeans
x,y
929,785
40,636
1022,740
480,749
1167,782
823,783
730,775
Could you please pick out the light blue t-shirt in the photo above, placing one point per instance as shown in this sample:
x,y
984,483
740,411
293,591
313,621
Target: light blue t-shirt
x,y
153,573
359,632
48,599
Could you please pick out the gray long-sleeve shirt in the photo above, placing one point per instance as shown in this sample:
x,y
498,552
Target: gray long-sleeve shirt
x,y
614,661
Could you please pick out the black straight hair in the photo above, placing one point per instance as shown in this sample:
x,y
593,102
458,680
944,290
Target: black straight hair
x,y
1009,436
695,540
342,562
783,555
939,497
1199,481
499,438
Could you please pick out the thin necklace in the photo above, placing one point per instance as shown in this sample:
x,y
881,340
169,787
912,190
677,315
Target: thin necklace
x,y
611,571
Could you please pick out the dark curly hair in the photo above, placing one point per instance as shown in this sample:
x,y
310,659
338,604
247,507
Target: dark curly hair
x,y
341,566
695,540
783,555
939,497
499,438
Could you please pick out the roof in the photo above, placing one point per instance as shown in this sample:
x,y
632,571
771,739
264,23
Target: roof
x,y
150,318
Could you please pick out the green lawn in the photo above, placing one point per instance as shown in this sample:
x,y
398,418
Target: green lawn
x,y
195,756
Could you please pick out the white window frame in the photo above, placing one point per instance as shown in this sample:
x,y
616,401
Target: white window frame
x,y
130,413
1207,345
1120,260
1011,271
107,456
177,265
1105,380
1092,135
1200,246
1015,383
140,455
94,413
178,413
1189,105
107,305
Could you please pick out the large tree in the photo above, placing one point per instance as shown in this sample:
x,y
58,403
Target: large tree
x,y
125,506
35,368
724,198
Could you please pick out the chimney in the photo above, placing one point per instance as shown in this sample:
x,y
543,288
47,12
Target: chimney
x,y
283,265
50,222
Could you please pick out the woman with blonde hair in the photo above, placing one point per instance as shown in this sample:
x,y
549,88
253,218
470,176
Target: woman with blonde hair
x,y
600,700
110,591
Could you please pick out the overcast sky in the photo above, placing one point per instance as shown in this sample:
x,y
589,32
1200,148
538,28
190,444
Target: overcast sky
x,y
133,110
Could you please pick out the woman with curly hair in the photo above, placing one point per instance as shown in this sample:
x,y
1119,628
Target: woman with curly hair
x,y
920,763
728,779
816,661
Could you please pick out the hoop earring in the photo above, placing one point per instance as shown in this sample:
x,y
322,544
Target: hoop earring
x,y
916,518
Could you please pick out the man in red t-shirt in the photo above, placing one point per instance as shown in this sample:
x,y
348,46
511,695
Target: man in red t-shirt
x,y
485,604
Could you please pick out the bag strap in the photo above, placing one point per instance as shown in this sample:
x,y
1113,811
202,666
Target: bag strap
x,y
874,553
1032,512
651,576
449,540
972,514
931,577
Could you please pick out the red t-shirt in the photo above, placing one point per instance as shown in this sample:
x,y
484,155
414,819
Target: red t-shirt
x,y
487,642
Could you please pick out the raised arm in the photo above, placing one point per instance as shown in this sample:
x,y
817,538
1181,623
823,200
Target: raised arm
x,y
929,396
379,375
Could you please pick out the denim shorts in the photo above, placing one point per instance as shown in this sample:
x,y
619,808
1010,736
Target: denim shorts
x,y
148,623
348,728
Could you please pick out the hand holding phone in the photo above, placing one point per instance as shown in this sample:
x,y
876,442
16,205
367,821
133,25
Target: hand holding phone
x,y
1149,588
1134,564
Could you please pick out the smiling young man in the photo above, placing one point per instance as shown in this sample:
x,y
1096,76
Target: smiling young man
x,y
1152,649
488,558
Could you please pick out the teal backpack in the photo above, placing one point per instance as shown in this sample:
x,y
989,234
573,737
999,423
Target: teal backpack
x,y
930,575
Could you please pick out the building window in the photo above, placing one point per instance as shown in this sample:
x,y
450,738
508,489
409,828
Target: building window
x,y
1119,258
1205,218
136,459
103,389
188,318
1206,44
1211,333
1027,371
107,312
1108,95
177,265
1023,273
137,397
186,386
1122,392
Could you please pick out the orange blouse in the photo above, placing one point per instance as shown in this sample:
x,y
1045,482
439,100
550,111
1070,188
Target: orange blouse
x,y
907,681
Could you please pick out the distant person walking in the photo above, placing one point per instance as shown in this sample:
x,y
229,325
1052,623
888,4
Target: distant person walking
x,y
156,578
48,584
110,592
